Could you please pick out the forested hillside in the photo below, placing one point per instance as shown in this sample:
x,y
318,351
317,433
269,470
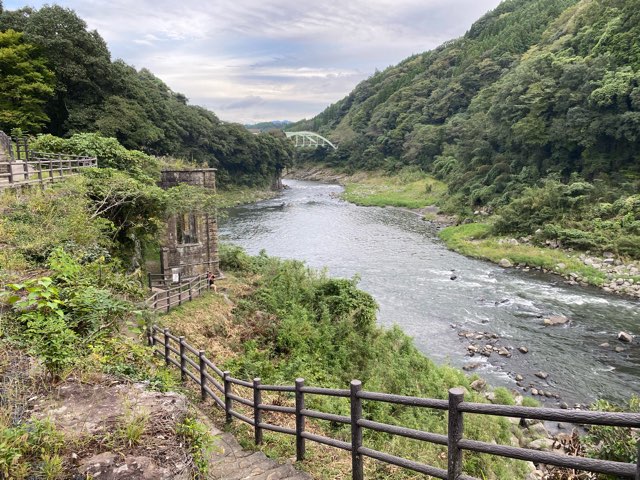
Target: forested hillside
x,y
58,77
533,114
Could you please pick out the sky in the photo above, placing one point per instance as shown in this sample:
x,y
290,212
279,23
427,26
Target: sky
x,y
261,60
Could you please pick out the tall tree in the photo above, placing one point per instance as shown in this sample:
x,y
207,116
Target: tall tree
x,y
25,85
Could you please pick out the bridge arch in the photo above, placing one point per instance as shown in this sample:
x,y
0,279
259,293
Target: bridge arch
x,y
309,139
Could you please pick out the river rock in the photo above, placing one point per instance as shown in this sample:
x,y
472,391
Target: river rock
x,y
625,337
505,263
605,345
542,375
538,429
542,444
478,385
519,378
470,366
523,349
556,320
619,349
504,352
534,391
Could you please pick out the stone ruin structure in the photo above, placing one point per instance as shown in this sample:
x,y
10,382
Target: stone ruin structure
x,y
190,246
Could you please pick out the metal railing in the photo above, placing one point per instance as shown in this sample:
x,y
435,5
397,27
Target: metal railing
x,y
42,168
219,386
182,292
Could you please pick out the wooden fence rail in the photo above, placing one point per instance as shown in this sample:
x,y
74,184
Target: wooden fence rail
x,y
41,168
185,291
219,386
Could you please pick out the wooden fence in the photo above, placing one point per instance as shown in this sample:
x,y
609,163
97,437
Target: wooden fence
x,y
172,296
41,168
219,386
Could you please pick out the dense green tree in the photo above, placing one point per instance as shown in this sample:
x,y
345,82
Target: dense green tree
x,y
134,107
79,58
25,85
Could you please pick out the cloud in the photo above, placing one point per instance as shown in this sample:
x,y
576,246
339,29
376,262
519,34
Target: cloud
x,y
246,102
255,60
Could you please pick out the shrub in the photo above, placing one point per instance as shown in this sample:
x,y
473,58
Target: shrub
x,y
614,443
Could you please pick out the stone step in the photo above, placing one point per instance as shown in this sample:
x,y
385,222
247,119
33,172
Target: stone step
x,y
230,462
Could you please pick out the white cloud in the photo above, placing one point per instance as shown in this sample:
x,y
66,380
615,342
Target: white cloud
x,y
296,57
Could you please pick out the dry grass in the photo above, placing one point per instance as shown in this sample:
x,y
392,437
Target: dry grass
x,y
209,323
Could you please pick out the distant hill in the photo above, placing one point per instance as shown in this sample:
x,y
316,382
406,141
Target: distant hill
x,y
268,126
535,87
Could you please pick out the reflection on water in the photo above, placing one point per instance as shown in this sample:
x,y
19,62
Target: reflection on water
x,y
404,266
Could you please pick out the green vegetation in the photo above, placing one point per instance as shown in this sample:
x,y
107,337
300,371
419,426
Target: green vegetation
x,y
59,78
532,115
609,443
26,83
199,440
30,450
411,188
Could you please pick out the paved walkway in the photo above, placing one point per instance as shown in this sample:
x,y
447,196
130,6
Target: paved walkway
x,y
230,462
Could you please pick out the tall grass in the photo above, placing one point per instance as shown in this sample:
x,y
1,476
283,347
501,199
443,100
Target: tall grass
x,y
408,189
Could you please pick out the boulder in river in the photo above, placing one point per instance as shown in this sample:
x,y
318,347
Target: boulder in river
x,y
542,375
556,320
523,349
471,366
505,263
625,337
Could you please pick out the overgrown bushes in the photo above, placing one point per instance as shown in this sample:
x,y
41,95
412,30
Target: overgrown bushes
x,y
578,214
56,317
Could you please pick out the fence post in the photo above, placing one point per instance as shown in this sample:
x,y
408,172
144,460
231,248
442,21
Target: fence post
x,y
257,413
456,429
203,377
150,335
638,463
300,446
183,360
167,352
168,297
149,278
357,466
228,403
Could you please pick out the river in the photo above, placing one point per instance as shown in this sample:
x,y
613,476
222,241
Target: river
x,y
407,269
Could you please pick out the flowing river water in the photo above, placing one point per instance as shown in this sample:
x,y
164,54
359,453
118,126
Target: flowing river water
x,y
407,269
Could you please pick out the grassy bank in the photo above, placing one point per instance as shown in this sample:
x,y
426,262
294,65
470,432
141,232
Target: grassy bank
x,y
475,240
410,189
287,321
233,196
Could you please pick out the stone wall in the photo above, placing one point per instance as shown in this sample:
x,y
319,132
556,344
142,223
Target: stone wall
x,y
204,177
190,246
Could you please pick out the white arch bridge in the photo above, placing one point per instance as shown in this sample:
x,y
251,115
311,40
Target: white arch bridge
x,y
309,139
